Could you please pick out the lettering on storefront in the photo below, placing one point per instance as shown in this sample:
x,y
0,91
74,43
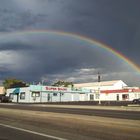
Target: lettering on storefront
x,y
56,89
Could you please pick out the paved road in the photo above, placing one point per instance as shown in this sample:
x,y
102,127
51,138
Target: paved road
x,y
133,115
13,133
61,125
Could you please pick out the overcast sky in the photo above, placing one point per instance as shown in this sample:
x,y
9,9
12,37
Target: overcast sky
x,y
51,57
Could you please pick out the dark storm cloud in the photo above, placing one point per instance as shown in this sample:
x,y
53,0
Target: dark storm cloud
x,y
16,46
11,20
116,23
60,58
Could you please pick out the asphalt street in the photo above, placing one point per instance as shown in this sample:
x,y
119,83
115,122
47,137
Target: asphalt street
x,y
21,122
7,133
134,115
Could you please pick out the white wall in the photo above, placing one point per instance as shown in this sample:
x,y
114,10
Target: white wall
x,y
68,96
113,96
134,95
15,96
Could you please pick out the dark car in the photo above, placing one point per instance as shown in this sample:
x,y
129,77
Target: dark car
x,y
136,101
4,99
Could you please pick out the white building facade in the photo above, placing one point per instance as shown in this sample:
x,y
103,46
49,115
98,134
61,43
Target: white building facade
x,y
110,91
39,93
99,91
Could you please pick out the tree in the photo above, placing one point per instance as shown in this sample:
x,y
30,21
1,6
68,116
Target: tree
x,y
62,84
13,83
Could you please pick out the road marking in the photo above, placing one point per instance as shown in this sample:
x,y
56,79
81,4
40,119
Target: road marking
x,y
33,132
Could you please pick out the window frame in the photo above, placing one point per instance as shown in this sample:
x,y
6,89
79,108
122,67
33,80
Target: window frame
x,y
22,95
55,94
35,94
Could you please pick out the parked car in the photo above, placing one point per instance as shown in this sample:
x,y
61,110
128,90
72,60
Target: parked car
x,y
4,99
136,101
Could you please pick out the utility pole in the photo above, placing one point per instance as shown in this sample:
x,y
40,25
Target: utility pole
x,y
41,93
99,92
60,95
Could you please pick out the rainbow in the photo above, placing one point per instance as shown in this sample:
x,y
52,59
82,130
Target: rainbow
x,y
83,38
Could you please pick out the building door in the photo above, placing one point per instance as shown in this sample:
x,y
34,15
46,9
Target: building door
x,y
117,97
91,97
49,97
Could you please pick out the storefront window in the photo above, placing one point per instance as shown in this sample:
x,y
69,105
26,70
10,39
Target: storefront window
x,y
91,97
54,94
97,96
35,94
22,95
125,96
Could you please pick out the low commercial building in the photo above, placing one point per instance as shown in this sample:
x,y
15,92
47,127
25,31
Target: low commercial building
x,y
39,93
97,91
104,85
2,90
110,91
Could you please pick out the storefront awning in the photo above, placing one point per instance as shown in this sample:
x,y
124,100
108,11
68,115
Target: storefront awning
x,y
16,91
